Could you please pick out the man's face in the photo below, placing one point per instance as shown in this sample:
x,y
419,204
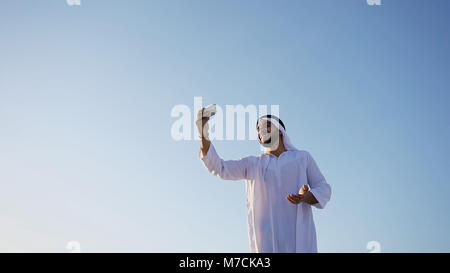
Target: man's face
x,y
268,134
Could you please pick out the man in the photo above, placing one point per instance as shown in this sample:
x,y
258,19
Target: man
x,y
281,186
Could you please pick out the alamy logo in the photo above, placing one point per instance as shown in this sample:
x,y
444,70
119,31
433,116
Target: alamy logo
x,y
374,2
73,2
73,247
235,118
373,247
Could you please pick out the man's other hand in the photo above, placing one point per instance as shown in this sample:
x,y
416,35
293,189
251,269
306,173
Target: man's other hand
x,y
298,198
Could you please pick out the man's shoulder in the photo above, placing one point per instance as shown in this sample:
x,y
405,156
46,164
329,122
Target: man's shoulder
x,y
253,157
296,153
301,154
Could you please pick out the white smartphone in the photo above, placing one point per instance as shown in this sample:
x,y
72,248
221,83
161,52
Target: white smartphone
x,y
209,111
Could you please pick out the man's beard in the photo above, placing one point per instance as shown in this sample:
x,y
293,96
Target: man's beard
x,y
271,143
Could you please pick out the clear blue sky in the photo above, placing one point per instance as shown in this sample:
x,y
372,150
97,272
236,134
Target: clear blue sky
x,y
86,93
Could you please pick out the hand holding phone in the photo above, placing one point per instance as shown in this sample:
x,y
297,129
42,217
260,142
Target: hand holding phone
x,y
209,111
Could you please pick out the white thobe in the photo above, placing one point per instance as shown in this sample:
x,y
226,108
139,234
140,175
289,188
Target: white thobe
x,y
274,223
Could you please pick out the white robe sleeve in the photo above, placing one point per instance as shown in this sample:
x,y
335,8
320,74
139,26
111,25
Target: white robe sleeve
x,y
318,185
225,169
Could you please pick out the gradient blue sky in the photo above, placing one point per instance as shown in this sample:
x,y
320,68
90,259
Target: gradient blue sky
x,y
86,93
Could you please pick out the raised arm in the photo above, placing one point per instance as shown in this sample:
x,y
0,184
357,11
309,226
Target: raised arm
x,y
225,169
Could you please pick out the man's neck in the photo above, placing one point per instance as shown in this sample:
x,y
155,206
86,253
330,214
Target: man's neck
x,y
281,149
